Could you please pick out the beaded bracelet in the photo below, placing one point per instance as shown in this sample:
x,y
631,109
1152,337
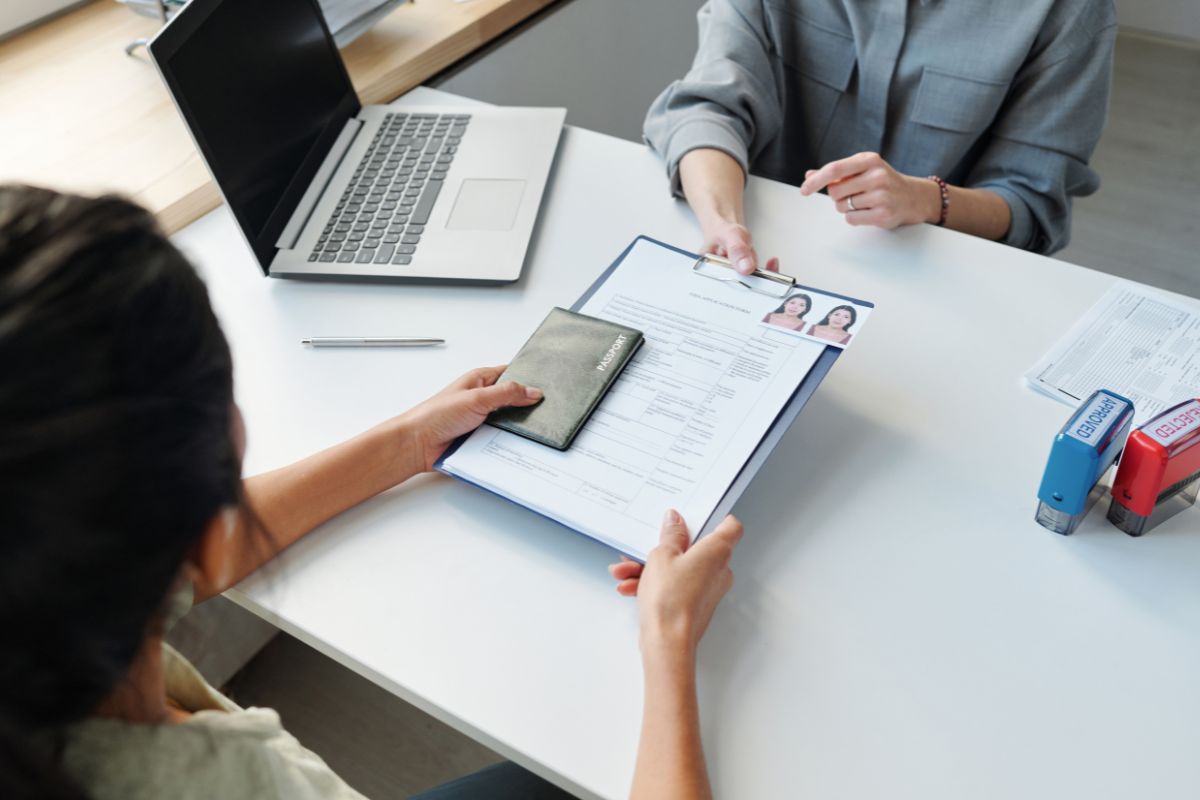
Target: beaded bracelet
x,y
945,190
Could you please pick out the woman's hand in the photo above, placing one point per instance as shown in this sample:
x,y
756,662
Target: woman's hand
x,y
868,191
460,407
677,590
713,184
679,587
731,240
291,501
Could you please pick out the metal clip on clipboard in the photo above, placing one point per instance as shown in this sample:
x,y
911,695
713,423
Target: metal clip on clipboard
x,y
785,282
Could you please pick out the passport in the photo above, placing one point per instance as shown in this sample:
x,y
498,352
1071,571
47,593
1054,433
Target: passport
x,y
574,359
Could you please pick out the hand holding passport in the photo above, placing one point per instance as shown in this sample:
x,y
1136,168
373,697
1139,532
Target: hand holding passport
x,y
574,359
695,417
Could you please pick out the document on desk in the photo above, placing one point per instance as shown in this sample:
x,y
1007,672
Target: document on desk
x,y
1136,341
677,426
349,19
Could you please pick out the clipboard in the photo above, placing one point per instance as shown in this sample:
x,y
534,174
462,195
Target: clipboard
x,y
775,432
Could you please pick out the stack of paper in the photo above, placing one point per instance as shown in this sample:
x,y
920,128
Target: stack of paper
x,y
159,9
1136,341
349,19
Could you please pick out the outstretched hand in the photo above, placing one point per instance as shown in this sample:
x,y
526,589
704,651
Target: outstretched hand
x,y
732,241
679,586
462,407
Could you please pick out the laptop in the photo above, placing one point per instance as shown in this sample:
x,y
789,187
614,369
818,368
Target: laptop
x,y
323,187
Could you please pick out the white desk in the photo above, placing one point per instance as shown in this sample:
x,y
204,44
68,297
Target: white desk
x,y
900,627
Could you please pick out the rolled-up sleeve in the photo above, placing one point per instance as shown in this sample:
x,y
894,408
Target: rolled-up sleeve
x,y
1036,157
728,101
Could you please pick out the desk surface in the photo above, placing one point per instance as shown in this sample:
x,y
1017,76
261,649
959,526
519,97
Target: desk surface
x,y
77,113
900,627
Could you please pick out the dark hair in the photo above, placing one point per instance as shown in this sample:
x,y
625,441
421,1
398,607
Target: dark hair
x,y
790,298
115,453
853,316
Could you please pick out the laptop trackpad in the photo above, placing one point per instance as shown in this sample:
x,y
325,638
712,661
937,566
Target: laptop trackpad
x,y
486,205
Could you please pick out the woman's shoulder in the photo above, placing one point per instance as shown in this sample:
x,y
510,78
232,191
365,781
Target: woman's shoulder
x,y
1066,27
240,754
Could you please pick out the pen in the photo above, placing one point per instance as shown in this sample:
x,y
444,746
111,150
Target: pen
x,y
371,341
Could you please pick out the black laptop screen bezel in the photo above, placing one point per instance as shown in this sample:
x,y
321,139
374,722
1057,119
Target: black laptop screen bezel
x,y
170,41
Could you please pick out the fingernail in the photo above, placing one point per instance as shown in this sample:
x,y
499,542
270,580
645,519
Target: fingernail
x,y
745,265
671,517
533,393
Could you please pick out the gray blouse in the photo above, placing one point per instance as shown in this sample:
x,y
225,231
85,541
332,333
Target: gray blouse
x,y
1008,95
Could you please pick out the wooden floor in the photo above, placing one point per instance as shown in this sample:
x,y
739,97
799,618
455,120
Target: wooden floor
x,y
1142,225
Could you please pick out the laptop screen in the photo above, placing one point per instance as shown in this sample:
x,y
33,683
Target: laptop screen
x,y
263,89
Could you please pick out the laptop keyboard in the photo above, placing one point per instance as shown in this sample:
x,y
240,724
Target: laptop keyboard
x,y
380,217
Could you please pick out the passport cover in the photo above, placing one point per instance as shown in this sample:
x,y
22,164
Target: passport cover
x,y
574,359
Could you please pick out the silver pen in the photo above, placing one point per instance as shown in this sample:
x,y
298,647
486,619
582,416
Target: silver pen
x,y
371,341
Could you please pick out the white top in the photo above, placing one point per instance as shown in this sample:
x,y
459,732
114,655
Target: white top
x,y
900,627
221,751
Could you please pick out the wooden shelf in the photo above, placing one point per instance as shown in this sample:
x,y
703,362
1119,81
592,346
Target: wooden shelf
x,y
77,114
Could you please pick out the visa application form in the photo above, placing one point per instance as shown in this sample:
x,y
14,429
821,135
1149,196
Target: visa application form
x,y
1139,342
676,427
